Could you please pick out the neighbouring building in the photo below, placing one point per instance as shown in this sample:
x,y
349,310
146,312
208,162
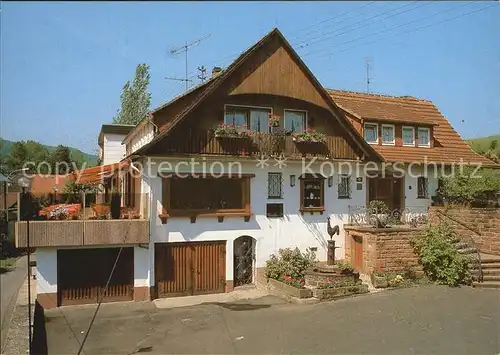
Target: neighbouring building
x,y
214,204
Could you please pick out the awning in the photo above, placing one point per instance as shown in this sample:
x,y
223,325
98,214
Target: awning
x,y
97,174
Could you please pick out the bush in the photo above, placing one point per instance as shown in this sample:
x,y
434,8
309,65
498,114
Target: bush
x,y
470,187
440,259
289,262
345,267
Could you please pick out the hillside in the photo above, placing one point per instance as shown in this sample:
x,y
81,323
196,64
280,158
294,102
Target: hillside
x,y
481,145
76,154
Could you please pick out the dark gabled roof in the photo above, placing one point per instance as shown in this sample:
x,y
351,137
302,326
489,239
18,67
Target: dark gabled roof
x,y
212,85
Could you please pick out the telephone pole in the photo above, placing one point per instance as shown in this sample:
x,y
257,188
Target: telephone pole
x,y
203,73
185,49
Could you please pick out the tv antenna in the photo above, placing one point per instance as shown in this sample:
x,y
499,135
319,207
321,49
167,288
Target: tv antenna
x,y
203,73
185,49
368,79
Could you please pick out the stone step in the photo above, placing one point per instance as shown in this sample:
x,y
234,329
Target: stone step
x,y
495,266
467,251
489,284
461,245
488,260
491,278
493,272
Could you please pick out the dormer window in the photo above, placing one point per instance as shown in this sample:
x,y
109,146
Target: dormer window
x,y
371,133
388,137
408,136
424,137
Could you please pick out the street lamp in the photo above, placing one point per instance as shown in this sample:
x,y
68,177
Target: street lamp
x,y
6,191
24,183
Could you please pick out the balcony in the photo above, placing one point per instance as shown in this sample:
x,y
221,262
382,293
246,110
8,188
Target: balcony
x,y
197,141
89,226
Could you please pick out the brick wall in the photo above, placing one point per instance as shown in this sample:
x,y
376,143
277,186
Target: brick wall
x,y
482,224
387,248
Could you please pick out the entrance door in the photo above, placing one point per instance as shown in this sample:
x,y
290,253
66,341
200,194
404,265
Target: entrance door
x,y
183,269
243,260
358,253
82,275
387,189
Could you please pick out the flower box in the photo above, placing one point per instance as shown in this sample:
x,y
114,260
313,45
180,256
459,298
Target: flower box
x,y
225,130
331,293
309,136
287,290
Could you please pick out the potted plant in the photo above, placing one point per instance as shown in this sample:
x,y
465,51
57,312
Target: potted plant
x,y
274,120
379,210
116,201
309,136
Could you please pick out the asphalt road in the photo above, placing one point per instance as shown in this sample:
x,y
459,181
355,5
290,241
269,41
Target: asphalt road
x,y
425,320
10,282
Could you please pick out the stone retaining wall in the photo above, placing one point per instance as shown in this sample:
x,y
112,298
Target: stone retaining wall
x,y
386,248
482,224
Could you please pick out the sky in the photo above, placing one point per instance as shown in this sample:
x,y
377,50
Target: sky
x,y
63,65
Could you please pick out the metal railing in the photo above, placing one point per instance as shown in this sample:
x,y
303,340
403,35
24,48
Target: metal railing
x,y
411,216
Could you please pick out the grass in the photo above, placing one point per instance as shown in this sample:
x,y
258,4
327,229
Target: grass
x,y
482,144
7,264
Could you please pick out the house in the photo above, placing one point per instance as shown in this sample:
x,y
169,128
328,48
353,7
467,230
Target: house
x,y
111,136
216,201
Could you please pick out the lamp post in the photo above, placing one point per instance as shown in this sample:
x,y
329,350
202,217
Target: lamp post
x,y
6,192
24,183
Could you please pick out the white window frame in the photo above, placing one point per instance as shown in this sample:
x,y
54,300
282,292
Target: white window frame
x,y
428,133
294,110
403,137
393,134
376,128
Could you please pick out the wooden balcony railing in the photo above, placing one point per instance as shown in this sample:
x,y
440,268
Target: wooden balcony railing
x,y
197,141
82,232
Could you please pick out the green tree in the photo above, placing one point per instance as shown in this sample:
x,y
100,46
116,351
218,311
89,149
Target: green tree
x,y
18,155
39,155
61,160
135,98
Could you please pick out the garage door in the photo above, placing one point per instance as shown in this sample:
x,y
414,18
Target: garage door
x,y
82,275
184,269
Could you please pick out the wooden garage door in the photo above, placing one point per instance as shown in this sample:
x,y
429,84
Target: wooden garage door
x,y
184,269
82,275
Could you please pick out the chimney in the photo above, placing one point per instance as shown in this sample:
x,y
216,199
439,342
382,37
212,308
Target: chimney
x,y
216,71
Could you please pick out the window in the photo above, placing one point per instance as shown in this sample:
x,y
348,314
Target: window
x,y
256,119
274,185
311,193
408,136
295,121
423,187
371,132
388,134
424,137
274,210
344,188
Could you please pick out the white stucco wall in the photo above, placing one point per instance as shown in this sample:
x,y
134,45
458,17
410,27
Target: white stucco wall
x,y
411,187
141,267
271,234
46,270
113,149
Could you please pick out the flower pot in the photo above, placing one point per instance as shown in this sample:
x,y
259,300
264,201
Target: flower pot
x,y
116,201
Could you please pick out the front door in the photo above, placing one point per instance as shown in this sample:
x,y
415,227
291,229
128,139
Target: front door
x,y
386,189
184,269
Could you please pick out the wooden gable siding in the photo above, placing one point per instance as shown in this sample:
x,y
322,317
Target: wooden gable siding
x,y
196,134
273,71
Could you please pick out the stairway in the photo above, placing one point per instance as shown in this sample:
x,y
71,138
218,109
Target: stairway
x,y
490,265
491,272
